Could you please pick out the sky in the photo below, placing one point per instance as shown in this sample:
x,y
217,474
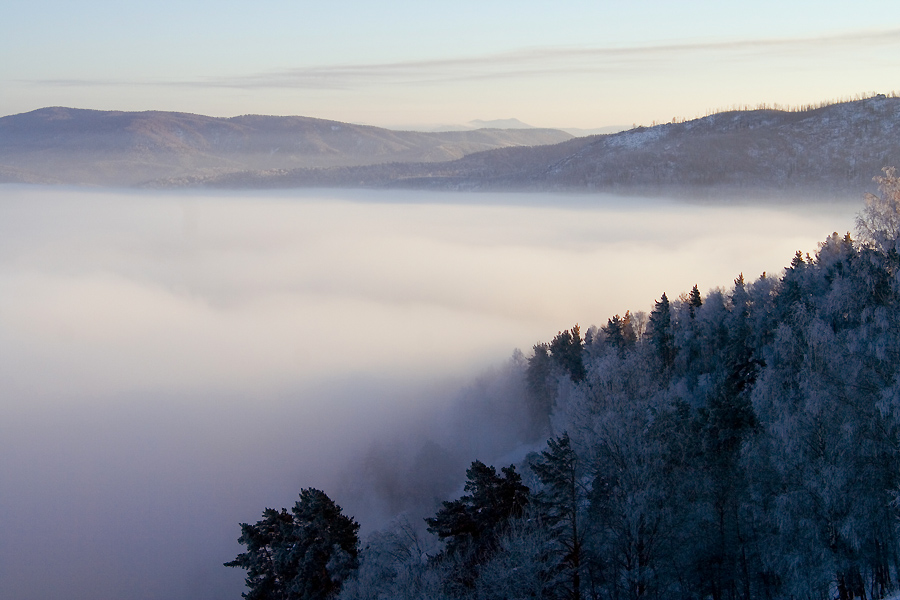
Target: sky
x,y
403,63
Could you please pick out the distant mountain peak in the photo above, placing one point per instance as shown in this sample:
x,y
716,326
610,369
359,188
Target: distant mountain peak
x,y
500,124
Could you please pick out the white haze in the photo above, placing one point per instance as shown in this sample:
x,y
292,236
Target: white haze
x,y
173,363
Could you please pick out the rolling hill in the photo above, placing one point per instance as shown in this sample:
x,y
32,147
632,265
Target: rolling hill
x,y
75,146
839,147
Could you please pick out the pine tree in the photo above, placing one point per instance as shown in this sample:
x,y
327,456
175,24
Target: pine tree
x,y
302,555
267,574
472,525
473,521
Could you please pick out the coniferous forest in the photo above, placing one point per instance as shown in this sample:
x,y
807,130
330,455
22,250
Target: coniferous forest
x,y
742,445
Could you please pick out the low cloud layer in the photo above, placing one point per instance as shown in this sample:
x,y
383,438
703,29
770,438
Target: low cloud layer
x,y
172,364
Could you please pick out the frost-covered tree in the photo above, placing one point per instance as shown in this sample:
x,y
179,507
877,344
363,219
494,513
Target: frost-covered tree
x,y
394,565
879,222
627,518
746,447
561,503
524,565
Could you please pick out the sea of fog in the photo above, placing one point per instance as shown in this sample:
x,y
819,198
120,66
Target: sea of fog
x,y
173,363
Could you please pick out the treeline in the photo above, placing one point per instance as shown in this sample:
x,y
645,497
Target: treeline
x,y
739,446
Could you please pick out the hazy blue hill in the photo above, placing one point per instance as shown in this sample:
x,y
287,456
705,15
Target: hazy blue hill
x,y
126,148
838,147
501,123
841,146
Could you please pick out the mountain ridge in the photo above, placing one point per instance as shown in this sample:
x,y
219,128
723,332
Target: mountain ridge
x,y
837,147
85,146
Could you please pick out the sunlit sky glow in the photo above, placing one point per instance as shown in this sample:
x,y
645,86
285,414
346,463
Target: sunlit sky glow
x,y
403,63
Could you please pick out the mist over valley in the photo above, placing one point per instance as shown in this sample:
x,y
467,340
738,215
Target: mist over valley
x,y
172,362
449,300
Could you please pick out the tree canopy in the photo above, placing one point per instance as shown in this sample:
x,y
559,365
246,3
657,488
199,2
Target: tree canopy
x,y
304,554
746,446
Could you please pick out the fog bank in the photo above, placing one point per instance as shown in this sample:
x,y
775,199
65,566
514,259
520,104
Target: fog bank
x,y
171,364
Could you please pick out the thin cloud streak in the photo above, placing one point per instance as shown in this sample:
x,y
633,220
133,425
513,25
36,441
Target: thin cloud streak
x,y
525,63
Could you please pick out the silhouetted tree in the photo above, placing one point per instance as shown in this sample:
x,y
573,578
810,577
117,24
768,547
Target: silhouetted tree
x,y
661,332
615,332
472,524
694,300
566,351
305,554
474,520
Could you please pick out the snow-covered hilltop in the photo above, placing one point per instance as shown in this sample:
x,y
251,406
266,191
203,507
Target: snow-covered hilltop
x,y
838,146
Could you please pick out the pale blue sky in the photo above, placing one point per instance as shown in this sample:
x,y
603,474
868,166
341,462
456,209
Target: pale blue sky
x,y
399,62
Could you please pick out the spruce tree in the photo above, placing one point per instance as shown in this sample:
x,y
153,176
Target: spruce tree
x,y
661,333
694,300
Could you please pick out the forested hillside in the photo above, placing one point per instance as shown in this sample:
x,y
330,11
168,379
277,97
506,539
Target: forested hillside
x,y
814,151
740,445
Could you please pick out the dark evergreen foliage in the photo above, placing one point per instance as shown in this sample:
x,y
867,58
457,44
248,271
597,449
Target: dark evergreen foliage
x,y
472,523
694,300
619,333
566,351
661,333
305,554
